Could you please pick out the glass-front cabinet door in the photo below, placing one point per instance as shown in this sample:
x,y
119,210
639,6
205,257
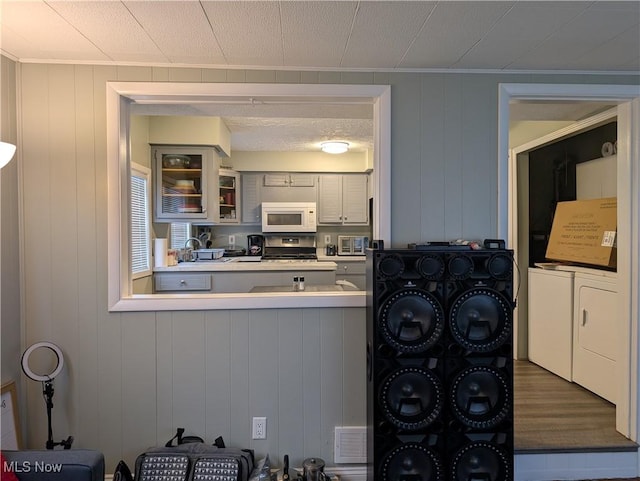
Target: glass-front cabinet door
x,y
181,182
229,196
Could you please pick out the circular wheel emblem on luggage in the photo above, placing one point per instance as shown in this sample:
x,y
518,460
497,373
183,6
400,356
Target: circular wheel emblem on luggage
x,y
411,462
480,320
460,267
411,320
499,266
430,267
390,266
480,460
480,397
411,398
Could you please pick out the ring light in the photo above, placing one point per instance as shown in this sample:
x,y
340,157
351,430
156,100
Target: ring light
x,y
37,377
47,386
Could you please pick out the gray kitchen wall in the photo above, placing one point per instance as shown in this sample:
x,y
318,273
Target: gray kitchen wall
x,y
132,378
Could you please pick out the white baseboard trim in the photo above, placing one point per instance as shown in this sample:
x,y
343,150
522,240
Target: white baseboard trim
x,y
576,466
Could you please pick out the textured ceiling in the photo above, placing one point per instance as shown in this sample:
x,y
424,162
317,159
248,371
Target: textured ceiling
x,y
516,35
598,36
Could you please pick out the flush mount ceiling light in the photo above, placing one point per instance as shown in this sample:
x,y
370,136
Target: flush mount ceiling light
x,y
6,153
334,147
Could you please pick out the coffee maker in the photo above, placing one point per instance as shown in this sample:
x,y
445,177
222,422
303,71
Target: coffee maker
x,y
255,244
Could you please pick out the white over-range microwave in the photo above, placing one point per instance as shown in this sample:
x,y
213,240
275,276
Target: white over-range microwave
x,y
289,217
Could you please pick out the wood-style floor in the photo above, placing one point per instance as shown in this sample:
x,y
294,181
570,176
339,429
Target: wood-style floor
x,y
554,415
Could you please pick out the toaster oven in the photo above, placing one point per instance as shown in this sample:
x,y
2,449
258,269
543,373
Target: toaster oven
x,y
352,245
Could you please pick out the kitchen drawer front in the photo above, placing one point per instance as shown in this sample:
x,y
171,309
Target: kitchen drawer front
x,y
182,282
351,267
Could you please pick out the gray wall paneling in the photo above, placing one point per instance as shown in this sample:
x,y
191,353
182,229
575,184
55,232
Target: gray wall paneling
x,y
132,378
9,242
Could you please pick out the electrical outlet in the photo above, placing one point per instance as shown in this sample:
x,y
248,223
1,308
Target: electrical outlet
x,y
327,238
259,430
232,240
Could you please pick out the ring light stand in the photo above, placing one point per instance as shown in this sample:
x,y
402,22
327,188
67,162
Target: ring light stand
x,y
47,386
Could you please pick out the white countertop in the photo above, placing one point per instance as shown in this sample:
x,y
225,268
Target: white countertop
x,y
247,263
336,258
289,289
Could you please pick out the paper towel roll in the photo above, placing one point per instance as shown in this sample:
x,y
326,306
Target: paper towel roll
x,y
160,253
607,149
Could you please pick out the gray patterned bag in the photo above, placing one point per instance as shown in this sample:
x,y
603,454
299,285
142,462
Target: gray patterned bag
x,y
194,461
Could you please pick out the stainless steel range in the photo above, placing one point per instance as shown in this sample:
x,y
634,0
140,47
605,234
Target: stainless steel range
x,y
290,248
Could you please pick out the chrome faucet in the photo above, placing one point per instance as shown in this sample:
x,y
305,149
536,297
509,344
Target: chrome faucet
x,y
195,239
187,253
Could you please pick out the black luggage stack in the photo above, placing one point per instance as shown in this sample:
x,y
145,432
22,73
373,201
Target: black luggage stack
x,y
440,364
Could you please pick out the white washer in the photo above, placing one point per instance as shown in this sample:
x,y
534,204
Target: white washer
x,y
551,320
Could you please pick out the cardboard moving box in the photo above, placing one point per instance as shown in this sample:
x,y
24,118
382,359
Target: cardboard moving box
x,y
584,232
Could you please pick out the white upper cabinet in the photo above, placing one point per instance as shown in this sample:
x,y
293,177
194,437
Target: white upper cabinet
x,y
289,180
251,198
597,178
343,199
229,201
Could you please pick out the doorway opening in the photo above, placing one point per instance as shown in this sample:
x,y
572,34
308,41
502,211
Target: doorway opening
x,y
627,105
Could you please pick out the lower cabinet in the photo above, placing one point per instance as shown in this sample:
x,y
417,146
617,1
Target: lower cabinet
x,y
353,272
245,281
228,282
595,334
181,282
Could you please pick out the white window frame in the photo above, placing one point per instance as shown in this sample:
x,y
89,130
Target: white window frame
x,y
142,172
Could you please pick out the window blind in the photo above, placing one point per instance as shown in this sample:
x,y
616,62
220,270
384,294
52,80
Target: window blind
x,y
140,222
180,232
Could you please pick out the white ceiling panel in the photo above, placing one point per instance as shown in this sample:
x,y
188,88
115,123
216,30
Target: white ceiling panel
x,y
527,24
435,47
180,30
48,34
111,27
630,7
316,33
391,43
622,51
249,33
566,45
